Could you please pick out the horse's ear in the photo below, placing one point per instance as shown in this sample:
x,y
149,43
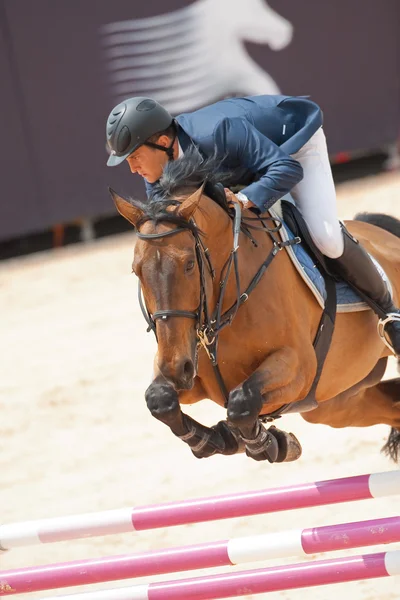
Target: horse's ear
x,y
189,205
125,208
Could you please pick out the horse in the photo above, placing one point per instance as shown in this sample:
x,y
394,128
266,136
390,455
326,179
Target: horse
x,y
235,322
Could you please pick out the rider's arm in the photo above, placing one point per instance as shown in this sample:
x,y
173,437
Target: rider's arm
x,y
246,146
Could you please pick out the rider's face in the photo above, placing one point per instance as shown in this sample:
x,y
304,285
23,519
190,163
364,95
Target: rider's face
x,y
148,162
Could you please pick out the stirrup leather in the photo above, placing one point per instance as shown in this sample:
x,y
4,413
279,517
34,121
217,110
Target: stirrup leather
x,y
390,317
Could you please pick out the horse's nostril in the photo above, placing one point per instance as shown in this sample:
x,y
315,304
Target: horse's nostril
x,y
188,369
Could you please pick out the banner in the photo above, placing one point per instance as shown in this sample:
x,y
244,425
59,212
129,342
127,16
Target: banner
x,y
65,64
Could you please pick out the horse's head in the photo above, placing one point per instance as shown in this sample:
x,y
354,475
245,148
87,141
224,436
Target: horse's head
x,y
172,264
253,20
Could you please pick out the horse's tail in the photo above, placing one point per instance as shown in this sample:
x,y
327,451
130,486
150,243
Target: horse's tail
x,y
392,225
387,222
392,446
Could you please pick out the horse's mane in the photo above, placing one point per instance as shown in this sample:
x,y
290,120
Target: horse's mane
x,y
180,178
184,175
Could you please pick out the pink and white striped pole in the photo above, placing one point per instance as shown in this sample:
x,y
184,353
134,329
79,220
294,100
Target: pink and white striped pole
x,y
272,579
319,493
215,554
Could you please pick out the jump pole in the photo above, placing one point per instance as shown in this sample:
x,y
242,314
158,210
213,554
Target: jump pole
x,y
233,552
272,579
333,491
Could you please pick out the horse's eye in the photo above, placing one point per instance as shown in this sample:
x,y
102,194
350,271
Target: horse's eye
x,y
189,265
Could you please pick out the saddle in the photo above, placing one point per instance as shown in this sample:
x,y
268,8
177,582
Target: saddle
x,y
294,220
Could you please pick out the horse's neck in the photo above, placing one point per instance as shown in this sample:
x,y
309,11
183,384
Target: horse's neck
x,y
216,224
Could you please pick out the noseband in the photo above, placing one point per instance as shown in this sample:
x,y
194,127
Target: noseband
x,y
208,327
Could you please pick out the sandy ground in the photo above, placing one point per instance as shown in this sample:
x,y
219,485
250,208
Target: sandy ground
x,y
76,435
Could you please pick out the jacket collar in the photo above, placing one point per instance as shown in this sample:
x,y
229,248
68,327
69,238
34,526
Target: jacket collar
x,y
184,140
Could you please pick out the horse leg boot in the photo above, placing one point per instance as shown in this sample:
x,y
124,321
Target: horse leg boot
x,y
359,271
276,377
163,402
272,444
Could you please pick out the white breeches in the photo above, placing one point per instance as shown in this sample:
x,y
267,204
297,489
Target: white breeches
x,y
315,196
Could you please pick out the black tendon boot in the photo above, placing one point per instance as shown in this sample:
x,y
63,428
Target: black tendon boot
x,y
358,270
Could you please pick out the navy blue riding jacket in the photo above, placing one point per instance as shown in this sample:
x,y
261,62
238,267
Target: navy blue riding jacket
x,y
254,136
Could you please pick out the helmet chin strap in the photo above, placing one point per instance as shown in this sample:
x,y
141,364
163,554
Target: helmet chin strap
x,y
169,150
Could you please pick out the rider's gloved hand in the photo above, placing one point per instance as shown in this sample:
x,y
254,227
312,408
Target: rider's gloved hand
x,y
239,197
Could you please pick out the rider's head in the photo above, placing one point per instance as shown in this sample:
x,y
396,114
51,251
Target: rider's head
x,y
143,132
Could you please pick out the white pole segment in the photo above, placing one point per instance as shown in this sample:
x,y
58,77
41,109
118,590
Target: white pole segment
x,y
265,547
384,484
65,528
392,562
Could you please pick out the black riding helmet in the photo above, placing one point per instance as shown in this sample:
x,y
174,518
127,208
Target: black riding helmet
x,y
131,123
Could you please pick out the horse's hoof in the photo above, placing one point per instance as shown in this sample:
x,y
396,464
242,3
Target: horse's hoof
x,y
289,446
294,448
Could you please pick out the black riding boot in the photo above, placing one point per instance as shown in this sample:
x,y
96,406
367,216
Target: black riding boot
x,y
358,270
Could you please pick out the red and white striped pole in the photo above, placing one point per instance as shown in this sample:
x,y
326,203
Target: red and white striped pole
x,y
259,581
233,552
319,493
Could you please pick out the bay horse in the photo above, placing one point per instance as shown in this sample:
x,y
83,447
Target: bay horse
x,y
214,284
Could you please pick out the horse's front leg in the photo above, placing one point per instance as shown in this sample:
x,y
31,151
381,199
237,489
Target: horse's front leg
x,y
163,402
278,380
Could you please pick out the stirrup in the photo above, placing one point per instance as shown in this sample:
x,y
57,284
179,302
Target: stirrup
x,y
390,317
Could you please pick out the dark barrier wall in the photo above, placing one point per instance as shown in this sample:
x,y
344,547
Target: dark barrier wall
x,y
64,64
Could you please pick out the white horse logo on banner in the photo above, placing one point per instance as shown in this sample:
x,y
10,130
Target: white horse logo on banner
x,y
196,55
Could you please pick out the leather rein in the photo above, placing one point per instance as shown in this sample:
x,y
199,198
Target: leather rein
x,y
209,325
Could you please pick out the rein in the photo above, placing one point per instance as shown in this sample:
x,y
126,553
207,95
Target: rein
x,y
208,327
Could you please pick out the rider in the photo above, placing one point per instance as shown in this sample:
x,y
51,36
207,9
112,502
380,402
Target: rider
x,y
276,145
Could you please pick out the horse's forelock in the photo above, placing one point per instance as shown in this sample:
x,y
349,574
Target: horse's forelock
x,y
166,212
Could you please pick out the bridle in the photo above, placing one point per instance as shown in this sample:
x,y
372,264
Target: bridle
x,y
202,255
209,325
